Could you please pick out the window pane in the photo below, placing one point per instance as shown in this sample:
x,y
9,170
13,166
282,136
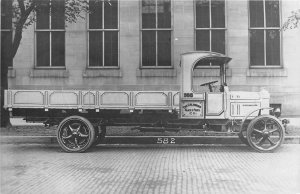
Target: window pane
x,y
6,43
148,13
148,48
273,47
111,49
43,48
256,13
202,40
111,14
164,13
202,43
95,17
256,47
57,14
6,14
42,15
202,14
58,48
95,49
218,41
164,48
218,13
272,13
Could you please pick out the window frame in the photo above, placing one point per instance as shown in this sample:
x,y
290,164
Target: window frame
x,y
280,66
156,29
103,30
50,30
210,29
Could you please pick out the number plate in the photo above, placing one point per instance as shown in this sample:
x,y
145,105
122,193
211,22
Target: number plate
x,y
165,140
188,95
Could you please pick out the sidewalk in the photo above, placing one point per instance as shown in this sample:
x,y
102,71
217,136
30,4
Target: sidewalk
x,y
22,132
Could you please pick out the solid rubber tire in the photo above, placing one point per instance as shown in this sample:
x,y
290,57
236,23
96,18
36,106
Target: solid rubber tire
x,y
91,134
252,123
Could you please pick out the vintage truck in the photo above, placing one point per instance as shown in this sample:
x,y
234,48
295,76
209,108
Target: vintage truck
x,y
83,115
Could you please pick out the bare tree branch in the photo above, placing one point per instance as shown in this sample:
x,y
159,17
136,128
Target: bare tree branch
x,y
19,28
22,6
29,10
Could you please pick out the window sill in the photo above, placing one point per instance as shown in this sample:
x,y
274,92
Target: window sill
x,y
267,72
94,73
156,72
49,73
210,72
11,73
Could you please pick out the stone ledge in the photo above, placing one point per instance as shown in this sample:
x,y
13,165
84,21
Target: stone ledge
x,y
267,72
94,73
210,72
11,73
49,73
156,72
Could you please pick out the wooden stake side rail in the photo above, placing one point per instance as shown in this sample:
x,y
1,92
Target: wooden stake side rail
x,y
92,99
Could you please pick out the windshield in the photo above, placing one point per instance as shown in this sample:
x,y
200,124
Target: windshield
x,y
209,74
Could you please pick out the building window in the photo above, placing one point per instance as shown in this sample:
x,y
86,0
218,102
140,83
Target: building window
x,y
103,33
6,32
264,33
210,26
156,33
50,33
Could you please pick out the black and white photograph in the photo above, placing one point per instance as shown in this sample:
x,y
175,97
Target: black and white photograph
x,y
150,96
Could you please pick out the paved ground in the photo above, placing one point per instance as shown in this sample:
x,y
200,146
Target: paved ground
x,y
37,168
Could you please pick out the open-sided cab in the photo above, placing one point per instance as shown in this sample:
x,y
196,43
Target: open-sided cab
x,y
211,99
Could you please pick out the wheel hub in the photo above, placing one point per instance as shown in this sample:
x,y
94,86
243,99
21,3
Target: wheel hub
x,y
266,134
75,133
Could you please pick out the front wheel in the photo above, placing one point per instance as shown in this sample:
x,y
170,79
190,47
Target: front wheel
x,y
75,134
265,133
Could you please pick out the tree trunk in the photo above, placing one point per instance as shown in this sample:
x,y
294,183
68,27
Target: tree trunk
x,y
4,85
9,53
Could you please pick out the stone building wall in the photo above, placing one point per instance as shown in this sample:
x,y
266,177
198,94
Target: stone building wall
x,y
283,82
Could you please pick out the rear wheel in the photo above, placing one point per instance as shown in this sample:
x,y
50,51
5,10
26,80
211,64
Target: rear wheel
x,y
75,134
265,133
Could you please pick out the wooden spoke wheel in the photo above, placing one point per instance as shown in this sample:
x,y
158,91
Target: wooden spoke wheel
x,y
75,134
265,133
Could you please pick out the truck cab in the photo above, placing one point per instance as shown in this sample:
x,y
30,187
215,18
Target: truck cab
x,y
213,99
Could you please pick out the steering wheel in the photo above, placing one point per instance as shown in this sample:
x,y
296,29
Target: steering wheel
x,y
209,85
